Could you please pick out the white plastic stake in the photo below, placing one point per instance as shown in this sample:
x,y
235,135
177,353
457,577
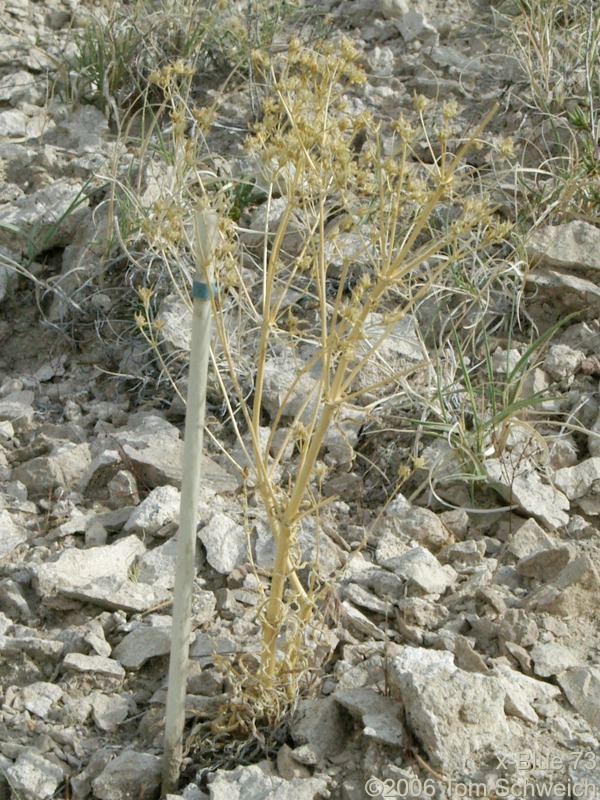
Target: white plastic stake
x,y
206,235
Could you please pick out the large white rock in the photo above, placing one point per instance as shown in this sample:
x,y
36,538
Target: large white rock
x,y
78,662
34,777
528,539
393,9
415,25
11,534
522,692
157,509
17,408
56,209
582,688
109,711
522,484
565,292
550,658
259,782
153,448
175,316
225,541
62,467
130,775
453,713
421,570
572,245
157,566
76,568
40,697
380,716
580,480
104,575
142,644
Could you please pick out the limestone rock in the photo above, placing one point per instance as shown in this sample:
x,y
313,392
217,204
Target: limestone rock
x,y
11,534
81,782
466,657
422,571
414,25
356,620
113,593
109,711
34,777
400,352
102,469
468,553
578,481
581,571
361,597
287,766
316,548
62,467
225,541
524,486
545,564
143,643
205,647
12,599
454,714
40,697
414,524
21,86
84,129
130,775
582,688
572,245
564,292
35,647
16,124
265,220
529,538
157,566
523,693
380,716
550,658
56,209
78,662
123,489
562,362
75,568
17,408
160,507
348,248
154,448
594,438
260,782
318,726
175,332
518,626
586,772
390,545
393,9
286,390
103,575
580,577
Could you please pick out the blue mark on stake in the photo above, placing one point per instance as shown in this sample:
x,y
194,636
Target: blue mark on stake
x,y
203,291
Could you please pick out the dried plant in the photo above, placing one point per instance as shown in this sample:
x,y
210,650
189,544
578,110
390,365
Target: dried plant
x,y
362,221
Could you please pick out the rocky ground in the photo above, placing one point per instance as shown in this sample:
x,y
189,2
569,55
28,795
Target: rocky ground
x,y
465,646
